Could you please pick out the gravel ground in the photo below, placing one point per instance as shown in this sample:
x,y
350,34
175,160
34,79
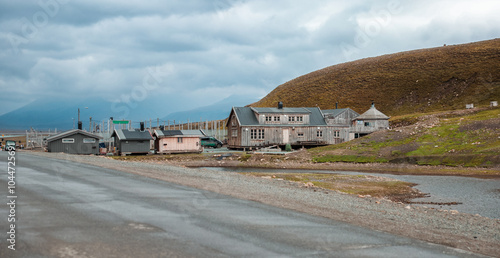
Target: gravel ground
x,y
465,231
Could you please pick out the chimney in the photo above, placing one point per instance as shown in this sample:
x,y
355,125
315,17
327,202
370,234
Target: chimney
x,y
280,105
336,105
80,125
162,127
142,126
373,103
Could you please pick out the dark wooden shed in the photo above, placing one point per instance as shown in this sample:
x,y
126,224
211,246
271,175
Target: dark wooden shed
x,y
132,141
74,142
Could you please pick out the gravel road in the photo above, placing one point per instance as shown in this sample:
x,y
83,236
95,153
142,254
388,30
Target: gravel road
x,y
464,231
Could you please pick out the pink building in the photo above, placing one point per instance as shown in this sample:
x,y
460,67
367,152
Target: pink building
x,y
178,141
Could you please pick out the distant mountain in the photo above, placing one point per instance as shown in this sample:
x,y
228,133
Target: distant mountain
x,y
62,114
427,80
217,111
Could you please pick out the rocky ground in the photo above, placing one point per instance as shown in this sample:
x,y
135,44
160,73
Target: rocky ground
x,y
469,232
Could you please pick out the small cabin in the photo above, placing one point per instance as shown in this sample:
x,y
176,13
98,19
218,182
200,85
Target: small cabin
x,y
178,141
371,121
74,142
132,141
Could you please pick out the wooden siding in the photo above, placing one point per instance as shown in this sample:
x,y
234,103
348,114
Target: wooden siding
x,y
233,126
172,145
297,136
283,119
78,147
133,146
374,125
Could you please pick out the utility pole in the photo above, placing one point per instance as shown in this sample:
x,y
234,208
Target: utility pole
x,y
90,125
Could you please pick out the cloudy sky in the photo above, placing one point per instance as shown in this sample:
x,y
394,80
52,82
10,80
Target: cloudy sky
x,y
192,53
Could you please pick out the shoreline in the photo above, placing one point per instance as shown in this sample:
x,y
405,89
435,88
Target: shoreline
x,y
394,169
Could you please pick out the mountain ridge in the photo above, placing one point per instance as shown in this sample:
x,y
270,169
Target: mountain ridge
x,y
423,80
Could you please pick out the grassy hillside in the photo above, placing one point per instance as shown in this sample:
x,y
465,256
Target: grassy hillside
x,y
426,80
469,138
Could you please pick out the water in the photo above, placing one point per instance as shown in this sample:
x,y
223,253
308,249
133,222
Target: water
x,y
476,196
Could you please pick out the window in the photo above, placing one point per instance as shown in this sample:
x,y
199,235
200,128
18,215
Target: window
x,y
179,139
88,140
336,134
257,134
319,133
269,118
300,134
276,119
68,140
367,123
291,119
234,133
300,119
261,134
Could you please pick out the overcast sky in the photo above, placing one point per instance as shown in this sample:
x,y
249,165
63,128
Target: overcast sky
x,y
196,52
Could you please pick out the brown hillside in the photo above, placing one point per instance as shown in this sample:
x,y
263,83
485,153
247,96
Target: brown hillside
x,y
425,80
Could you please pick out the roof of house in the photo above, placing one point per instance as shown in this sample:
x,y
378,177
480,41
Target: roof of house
x,y
336,112
167,133
124,134
71,132
246,115
284,110
372,113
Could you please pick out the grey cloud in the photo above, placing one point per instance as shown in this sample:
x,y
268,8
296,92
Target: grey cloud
x,y
213,48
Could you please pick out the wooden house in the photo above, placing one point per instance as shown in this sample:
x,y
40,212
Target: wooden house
x,y
178,141
74,142
371,121
250,127
132,141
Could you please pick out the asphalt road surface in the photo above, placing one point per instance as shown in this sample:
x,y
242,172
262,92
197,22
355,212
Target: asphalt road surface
x,y
69,209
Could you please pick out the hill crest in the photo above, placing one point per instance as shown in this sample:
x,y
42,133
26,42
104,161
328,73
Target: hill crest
x,y
424,80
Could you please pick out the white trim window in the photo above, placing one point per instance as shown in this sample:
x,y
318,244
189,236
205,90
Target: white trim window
x,y
261,134
253,134
257,134
319,134
88,140
68,140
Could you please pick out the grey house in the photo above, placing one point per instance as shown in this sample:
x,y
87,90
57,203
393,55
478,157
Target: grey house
x,y
371,121
132,141
250,127
74,142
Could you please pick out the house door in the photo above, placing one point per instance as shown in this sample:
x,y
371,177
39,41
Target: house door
x,y
286,136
